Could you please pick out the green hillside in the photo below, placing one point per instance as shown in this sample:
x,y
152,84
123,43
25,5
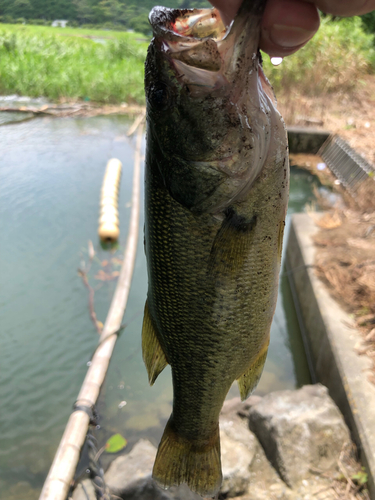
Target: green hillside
x,y
126,14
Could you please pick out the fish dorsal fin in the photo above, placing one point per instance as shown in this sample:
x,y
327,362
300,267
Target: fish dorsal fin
x,y
248,381
153,355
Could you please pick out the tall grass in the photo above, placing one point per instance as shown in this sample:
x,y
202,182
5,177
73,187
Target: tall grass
x,y
39,63
338,56
69,63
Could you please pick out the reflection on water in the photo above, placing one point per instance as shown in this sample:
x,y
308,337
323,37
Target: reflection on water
x,y
51,172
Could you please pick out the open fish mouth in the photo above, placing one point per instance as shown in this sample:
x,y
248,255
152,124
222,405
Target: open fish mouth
x,y
204,52
200,23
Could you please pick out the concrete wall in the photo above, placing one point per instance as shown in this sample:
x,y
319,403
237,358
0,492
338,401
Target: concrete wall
x,y
306,140
331,338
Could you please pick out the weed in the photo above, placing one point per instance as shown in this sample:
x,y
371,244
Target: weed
x,y
333,61
36,62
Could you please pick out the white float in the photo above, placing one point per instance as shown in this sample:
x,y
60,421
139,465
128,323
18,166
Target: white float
x,y
109,219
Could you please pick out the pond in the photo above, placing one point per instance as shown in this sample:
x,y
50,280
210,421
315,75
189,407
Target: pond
x,y
51,172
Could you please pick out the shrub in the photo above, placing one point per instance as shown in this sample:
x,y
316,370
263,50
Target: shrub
x,y
7,19
37,22
368,21
332,61
73,24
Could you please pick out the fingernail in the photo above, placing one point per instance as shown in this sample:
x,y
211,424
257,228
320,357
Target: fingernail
x,y
288,36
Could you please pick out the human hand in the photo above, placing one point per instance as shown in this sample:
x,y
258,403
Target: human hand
x,y
288,25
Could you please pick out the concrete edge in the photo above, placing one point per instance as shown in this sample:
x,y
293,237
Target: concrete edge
x,y
331,338
306,140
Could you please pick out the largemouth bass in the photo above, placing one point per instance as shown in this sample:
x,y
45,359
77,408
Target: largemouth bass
x,y
216,194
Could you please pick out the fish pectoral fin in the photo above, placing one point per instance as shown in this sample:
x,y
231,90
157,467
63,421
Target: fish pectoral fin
x,y
194,462
153,355
248,381
231,245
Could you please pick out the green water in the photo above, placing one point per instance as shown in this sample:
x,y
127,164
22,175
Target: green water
x,y
51,172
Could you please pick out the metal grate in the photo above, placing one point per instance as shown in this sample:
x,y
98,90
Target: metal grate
x,y
348,166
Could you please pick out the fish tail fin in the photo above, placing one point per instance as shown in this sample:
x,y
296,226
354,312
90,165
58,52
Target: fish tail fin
x,y
180,460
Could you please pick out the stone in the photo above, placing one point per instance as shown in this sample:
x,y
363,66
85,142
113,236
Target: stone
x,y
299,431
182,492
84,491
235,406
129,477
272,447
235,459
245,467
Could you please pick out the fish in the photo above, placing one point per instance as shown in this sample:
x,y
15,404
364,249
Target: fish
x,y
216,193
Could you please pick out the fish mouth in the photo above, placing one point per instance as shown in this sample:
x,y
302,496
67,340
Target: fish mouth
x,y
203,52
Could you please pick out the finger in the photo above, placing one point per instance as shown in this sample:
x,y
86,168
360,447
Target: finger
x,y
287,26
227,9
345,7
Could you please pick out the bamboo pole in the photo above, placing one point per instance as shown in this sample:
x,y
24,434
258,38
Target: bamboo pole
x,y
63,467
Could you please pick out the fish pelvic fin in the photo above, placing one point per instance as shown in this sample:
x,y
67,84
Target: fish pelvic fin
x,y
196,463
248,381
153,355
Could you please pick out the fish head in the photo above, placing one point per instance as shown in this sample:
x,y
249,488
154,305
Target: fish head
x,y
210,109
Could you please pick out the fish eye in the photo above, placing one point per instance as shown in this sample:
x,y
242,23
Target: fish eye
x,y
159,96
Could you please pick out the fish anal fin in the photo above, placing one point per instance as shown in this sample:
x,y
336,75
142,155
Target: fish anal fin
x,y
248,381
232,242
196,463
153,355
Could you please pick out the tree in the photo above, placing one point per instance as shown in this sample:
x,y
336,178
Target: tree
x,y
21,8
107,10
84,11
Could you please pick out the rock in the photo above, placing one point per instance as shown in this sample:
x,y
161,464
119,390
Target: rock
x,y
129,477
299,430
245,467
236,459
182,492
80,494
235,406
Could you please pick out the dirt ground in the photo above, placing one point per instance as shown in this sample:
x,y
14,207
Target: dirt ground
x,y
345,243
350,115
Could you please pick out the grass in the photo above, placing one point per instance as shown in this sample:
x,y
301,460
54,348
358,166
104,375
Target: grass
x,y
71,63
58,63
